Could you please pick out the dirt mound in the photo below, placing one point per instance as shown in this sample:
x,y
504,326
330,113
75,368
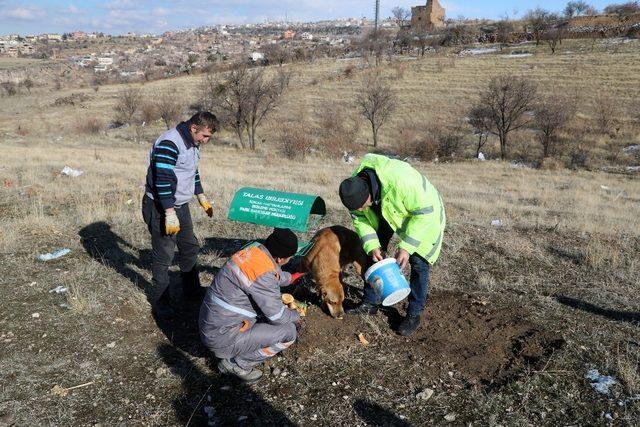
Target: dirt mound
x,y
485,343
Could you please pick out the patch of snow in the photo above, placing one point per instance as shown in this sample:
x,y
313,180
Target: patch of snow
x,y
479,51
517,55
633,168
497,223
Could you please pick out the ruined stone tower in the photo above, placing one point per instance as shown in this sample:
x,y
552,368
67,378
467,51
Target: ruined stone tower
x,y
427,18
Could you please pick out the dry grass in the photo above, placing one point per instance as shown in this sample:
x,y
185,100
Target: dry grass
x,y
425,95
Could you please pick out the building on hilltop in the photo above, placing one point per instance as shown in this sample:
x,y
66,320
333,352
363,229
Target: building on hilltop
x,y
427,18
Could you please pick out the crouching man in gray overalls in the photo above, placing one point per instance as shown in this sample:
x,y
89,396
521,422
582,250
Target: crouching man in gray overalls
x,y
248,285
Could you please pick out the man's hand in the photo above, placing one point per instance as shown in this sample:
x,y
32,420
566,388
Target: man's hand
x,y
171,222
376,254
295,277
202,199
402,258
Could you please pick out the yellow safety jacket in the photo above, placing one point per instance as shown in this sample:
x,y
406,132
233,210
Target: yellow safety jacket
x,y
409,203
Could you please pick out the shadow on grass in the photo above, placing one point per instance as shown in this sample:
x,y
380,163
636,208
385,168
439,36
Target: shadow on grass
x,y
111,250
224,247
375,415
620,316
216,399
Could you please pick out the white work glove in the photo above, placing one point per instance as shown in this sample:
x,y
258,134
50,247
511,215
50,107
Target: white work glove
x,y
171,222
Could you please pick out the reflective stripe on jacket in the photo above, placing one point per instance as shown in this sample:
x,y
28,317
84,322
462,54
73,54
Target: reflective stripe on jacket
x,y
246,286
410,204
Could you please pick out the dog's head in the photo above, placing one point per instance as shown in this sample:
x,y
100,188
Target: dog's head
x,y
333,299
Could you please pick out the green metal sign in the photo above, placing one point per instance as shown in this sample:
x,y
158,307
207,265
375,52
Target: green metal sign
x,y
276,208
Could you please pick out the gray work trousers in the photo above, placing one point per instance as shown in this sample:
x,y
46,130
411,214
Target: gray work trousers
x,y
163,246
258,343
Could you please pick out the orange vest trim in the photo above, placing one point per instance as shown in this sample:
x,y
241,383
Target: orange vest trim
x,y
253,262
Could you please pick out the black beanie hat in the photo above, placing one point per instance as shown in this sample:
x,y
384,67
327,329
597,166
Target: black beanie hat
x,y
282,243
354,192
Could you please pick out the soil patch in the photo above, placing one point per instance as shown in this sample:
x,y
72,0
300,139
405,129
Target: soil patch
x,y
485,343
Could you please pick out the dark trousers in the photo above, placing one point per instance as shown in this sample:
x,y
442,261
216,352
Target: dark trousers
x,y
418,281
163,246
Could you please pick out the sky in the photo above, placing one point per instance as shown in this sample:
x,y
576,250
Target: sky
x,y
145,16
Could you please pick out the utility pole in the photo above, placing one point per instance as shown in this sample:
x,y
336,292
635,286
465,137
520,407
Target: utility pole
x,y
377,15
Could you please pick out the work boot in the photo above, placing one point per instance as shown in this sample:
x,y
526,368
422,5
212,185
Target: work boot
x,y
228,366
409,325
363,308
191,289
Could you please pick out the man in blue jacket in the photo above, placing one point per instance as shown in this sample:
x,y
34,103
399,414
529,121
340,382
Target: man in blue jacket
x,y
172,181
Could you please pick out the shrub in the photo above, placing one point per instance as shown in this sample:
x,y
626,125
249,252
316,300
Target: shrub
x,y
149,112
295,141
71,100
127,104
349,71
91,125
449,143
337,130
416,141
10,88
169,109
606,112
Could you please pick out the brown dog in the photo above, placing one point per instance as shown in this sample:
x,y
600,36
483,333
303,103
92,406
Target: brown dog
x,y
334,248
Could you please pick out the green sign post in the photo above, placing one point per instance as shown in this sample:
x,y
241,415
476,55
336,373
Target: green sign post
x,y
277,209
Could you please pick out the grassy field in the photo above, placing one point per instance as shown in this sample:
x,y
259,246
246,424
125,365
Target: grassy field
x,y
519,313
14,63
434,91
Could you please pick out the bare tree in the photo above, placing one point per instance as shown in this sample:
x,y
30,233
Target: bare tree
x,y
169,109
263,96
479,120
551,115
192,60
376,102
400,15
227,98
276,54
606,113
375,43
503,106
28,84
503,31
553,37
244,98
623,10
127,104
578,8
537,21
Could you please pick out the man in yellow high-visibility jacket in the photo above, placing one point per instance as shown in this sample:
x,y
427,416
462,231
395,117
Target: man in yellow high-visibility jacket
x,y
386,196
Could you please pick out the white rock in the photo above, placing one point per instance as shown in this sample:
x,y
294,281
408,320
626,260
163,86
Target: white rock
x,y
112,344
36,315
450,417
425,394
